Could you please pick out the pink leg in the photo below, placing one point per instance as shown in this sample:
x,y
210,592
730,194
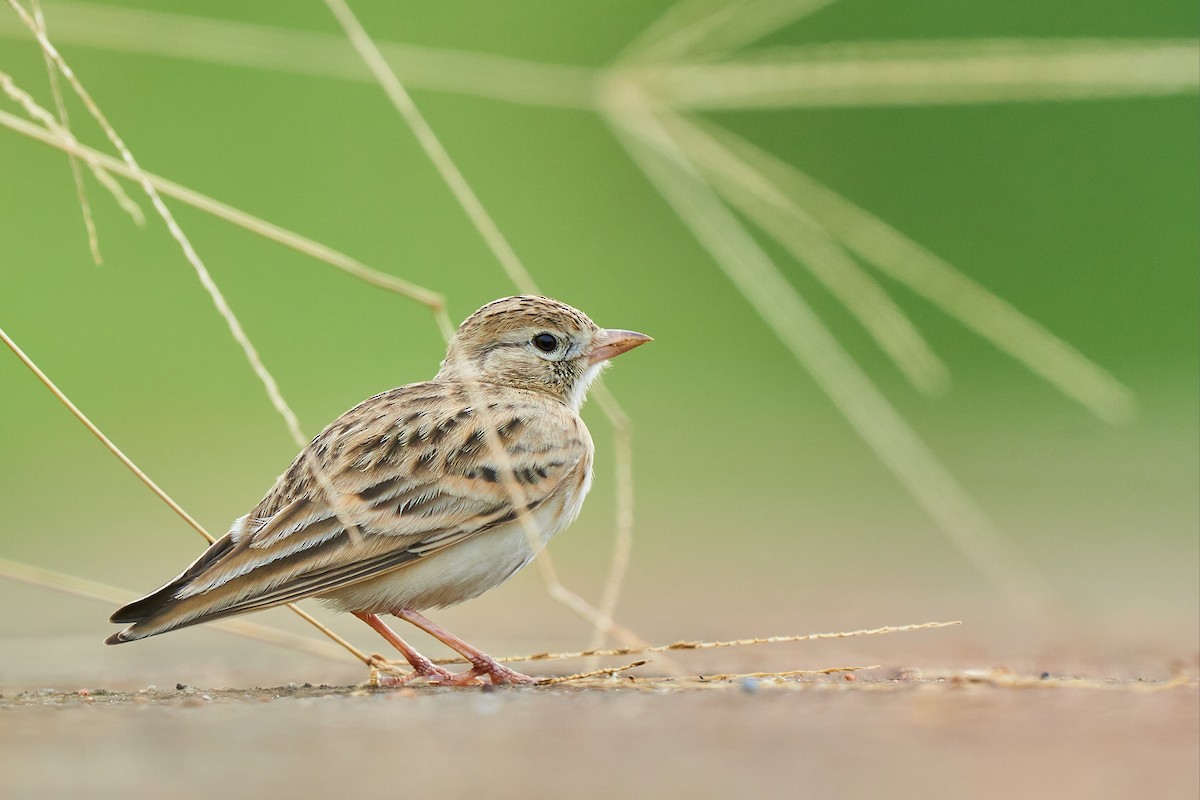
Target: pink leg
x,y
481,662
422,666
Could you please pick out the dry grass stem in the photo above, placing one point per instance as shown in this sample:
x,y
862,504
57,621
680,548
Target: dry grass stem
x,y
114,188
385,76
380,664
791,673
479,217
709,645
623,541
206,280
162,495
604,672
704,29
108,443
218,299
923,73
892,439
307,53
676,55
907,262
698,168
301,244
683,14
85,208
91,590
756,198
343,510
520,276
57,132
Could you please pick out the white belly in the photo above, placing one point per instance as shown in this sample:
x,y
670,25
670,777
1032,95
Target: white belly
x,y
463,570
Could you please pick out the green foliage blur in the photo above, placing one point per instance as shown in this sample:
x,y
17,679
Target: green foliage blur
x,y
750,486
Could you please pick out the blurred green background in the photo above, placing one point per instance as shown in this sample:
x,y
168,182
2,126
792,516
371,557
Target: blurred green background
x,y
759,510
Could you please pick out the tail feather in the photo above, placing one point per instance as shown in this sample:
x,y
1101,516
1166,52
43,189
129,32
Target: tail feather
x,y
121,637
154,625
144,608
141,615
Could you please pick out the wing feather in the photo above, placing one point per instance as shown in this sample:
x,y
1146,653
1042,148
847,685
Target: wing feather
x,y
412,476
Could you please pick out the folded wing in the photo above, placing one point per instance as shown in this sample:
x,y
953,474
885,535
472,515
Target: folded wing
x,y
403,475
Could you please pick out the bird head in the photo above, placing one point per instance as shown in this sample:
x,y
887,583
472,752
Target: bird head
x,y
536,343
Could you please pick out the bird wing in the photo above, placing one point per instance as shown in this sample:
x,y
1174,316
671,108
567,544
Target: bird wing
x,y
402,475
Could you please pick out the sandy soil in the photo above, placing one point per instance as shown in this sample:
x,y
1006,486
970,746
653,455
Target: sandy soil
x,y
981,734
955,712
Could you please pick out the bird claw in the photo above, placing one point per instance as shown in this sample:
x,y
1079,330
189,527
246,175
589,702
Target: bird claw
x,y
468,678
422,669
482,665
438,677
496,674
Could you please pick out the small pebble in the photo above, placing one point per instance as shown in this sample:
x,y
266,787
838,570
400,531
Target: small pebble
x,y
1045,676
751,685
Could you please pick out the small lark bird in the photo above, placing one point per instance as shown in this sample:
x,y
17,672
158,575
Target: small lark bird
x,y
420,497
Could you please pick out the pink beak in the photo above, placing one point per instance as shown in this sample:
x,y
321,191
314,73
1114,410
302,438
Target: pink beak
x,y
611,343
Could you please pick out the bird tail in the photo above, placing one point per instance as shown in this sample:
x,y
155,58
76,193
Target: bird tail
x,y
163,610
140,613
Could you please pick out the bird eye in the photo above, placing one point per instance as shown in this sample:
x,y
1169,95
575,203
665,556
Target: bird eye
x,y
546,342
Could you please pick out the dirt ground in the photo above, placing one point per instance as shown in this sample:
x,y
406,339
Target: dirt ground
x,y
974,733
977,710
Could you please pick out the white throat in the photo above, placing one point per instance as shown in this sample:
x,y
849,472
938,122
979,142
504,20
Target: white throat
x,y
580,390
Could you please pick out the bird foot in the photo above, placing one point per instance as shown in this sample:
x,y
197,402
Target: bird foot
x,y
482,665
426,671
495,672
422,669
